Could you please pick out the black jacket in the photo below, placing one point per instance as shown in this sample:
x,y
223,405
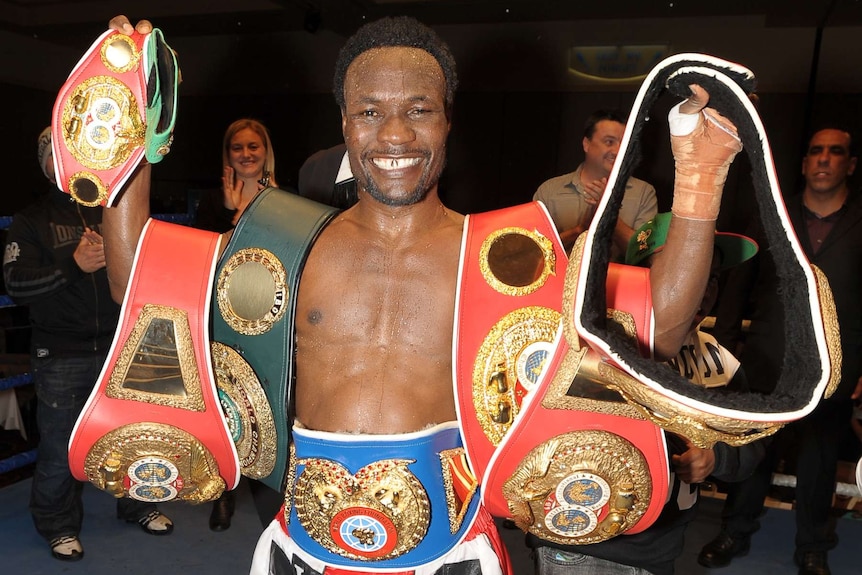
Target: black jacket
x,y
71,312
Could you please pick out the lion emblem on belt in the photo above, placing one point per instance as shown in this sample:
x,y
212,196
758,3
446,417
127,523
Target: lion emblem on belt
x,y
381,512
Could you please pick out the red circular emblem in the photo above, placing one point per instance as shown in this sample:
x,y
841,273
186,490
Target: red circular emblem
x,y
364,532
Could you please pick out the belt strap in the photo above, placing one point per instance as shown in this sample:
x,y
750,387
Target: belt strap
x,y
256,288
153,428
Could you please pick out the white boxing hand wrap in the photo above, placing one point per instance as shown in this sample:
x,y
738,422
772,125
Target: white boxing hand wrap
x,y
703,145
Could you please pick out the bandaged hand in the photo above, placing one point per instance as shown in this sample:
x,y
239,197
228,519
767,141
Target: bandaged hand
x,y
704,144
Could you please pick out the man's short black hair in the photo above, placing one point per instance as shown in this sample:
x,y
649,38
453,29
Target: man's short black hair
x,y
853,148
601,115
393,32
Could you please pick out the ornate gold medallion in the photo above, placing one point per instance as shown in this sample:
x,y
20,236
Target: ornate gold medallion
x,y
120,54
154,462
380,513
252,291
516,261
580,487
246,410
508,364
101,123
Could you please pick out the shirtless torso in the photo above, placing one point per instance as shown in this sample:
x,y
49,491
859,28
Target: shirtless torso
x,y
374,334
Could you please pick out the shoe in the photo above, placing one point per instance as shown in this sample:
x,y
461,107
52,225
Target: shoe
x,y
812,563
155,523
721,550
222,512
67,548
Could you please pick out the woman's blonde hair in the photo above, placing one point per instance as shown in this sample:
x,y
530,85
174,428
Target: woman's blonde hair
x,y
260,130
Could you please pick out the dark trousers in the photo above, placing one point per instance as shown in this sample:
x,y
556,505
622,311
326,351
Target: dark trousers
x,y
815,440
63,385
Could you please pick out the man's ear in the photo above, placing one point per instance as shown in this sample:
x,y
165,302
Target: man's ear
x,y
852,167
585,144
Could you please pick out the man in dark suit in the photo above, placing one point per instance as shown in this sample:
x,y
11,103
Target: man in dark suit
x,y
827,219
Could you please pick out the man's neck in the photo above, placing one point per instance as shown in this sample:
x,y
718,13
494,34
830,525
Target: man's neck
x,y
825,203
589,174
401,221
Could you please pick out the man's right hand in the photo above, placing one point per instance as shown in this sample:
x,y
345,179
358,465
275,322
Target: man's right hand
x,y
121,24
593,192
90,253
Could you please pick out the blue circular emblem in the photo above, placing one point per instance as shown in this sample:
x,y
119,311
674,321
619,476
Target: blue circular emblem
x,y
153,471
153,493
531,363
363,533
571,520
584,490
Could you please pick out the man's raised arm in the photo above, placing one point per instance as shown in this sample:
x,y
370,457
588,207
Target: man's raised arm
x,y
122,224
704,145
121,228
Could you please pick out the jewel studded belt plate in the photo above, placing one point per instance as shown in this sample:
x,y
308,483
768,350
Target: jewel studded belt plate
x,y
380,502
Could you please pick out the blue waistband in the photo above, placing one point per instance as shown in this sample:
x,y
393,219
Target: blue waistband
x,y
380,501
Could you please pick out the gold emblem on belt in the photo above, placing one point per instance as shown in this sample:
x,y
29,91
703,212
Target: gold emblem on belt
x,y
246,410
379,513
252,291
580,487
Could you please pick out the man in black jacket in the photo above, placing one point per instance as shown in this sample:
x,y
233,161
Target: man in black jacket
x,y
54,263
827,218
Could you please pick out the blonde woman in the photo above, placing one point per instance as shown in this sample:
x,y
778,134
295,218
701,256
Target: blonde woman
x,y
248,165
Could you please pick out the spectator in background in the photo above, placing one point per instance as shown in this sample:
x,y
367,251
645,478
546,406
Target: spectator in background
x,y
54,263
827,219
248,164
572,198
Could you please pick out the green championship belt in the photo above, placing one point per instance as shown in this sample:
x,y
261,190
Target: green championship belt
x,y
253,326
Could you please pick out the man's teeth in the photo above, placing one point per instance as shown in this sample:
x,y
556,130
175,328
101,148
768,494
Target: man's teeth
x,y
395,163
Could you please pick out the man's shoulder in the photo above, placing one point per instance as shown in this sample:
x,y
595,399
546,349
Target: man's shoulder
x,y
639,184
557,182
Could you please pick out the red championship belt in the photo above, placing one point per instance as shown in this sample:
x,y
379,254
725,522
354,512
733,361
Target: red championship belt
x,y
153,427
580,465
510,292
558,449
117,107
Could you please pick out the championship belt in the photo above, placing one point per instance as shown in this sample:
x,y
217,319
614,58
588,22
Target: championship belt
x,y
153,428
580,465
572,462
508,312
117,108
253,325
668,399
380,502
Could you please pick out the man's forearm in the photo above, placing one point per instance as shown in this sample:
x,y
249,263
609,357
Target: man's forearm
x,y
121,228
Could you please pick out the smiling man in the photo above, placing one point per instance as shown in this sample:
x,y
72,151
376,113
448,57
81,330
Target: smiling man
x,y
375,317
571,198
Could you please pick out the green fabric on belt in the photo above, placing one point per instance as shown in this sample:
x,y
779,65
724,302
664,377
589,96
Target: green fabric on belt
x,y
286,225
